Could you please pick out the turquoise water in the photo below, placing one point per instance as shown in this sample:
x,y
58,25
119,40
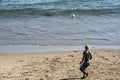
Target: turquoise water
x,y
48,22
53,7
59,4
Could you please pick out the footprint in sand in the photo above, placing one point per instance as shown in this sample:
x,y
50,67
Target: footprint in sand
x,y
34,57
27,79
70,55
21,61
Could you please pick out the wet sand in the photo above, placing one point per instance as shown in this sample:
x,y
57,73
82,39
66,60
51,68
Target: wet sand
x,y
105,65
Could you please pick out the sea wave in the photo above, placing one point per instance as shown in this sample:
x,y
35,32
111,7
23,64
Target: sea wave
x,y
22,2
59,5
31,11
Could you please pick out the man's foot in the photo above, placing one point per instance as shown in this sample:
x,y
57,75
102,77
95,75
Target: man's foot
x,y
86,75
82,77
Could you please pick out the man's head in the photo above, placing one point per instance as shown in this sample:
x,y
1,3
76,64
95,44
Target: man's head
x,y
87,47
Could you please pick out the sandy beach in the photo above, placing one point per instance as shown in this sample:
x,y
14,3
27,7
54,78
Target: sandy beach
x,y
105,65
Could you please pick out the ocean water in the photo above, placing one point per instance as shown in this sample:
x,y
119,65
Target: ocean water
x,y
48,22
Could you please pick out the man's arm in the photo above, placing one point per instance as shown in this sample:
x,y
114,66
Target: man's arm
x,y
90,55
82,58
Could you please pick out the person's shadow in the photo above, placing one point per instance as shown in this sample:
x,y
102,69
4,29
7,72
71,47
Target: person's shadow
x,y
72,79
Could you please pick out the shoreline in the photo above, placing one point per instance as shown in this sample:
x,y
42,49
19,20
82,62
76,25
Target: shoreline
x,y
38,49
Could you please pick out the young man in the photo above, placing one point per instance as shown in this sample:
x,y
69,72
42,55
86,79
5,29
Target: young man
x,y
85,61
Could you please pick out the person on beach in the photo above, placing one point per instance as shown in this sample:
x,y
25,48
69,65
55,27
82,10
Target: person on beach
x,y
85,61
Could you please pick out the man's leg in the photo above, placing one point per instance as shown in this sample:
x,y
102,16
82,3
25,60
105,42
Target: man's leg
x,y
85,67
83,71
86,74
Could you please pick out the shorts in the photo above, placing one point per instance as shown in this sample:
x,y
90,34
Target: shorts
x,y
84,65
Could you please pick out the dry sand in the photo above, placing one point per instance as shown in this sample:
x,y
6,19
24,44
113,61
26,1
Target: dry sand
x,y
105,65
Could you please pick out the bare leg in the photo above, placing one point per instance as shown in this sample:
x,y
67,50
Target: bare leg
x,y
83,71
85,74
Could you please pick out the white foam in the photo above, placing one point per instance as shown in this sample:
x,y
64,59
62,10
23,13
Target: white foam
x,y
36,49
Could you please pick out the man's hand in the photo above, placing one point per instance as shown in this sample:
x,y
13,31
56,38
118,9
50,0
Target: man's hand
x,y
80,62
